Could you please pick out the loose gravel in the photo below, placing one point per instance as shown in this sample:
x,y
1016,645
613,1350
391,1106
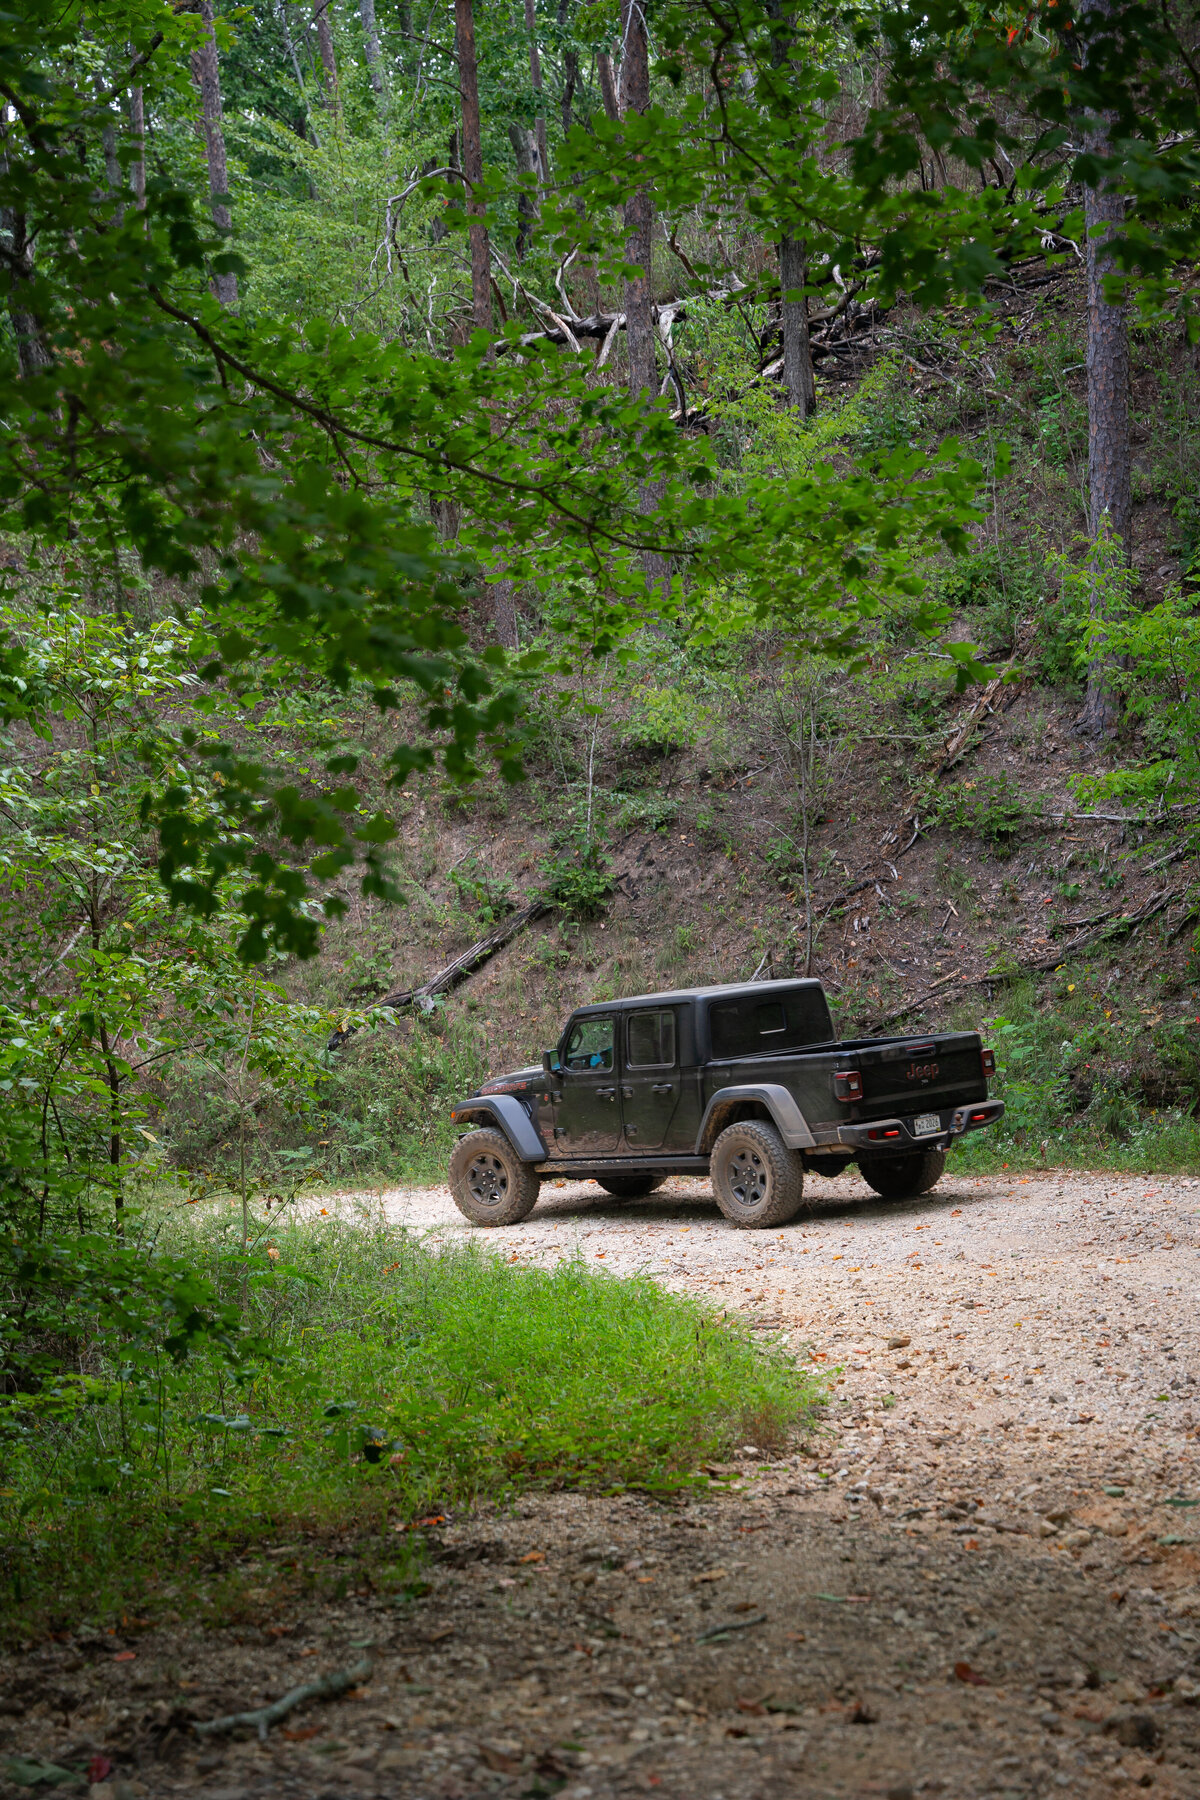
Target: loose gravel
x,y
979,1578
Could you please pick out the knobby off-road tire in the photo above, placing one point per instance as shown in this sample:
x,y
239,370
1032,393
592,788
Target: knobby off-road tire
x,y
629,1187
489,1182
757,1180
903,1177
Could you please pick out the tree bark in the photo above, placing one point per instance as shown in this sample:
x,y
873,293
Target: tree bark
x,y
1110,474
608,87
328,55
535,77
137,125
207,72
525,155
797,350
472,163
798,381
639,210
374,57
33,354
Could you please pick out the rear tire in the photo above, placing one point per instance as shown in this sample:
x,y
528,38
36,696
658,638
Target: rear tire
x,y
757,1180
489,1182
903,1177
629,1187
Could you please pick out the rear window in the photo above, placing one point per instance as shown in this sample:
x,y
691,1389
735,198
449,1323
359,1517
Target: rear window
x,y
750,1027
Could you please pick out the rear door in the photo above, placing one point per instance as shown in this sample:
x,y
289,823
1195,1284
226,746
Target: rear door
x,y
650,1086
588,1115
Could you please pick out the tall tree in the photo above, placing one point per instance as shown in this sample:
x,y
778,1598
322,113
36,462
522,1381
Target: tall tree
x,y
639,208
137,126
366,10
472,164
638,221
535,78
798,381
1110,472
207,71
328,54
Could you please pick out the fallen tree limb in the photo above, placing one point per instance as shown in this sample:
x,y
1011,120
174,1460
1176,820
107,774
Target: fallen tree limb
x,y
458,970
263,1717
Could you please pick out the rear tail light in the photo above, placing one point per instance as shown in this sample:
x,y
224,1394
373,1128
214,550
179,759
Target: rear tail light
x,y
987,1059
847,1084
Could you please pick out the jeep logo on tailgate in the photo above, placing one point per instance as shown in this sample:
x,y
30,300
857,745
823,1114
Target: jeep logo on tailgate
x,y
920,1071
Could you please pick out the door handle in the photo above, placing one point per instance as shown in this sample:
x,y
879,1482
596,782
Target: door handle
x,y
606,1093
627,1093
663,1087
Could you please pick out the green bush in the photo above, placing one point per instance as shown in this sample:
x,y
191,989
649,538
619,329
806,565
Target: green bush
x,y
395,1378
663,720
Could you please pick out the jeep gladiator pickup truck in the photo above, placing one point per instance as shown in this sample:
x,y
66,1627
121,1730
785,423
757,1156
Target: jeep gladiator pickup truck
x,y
744,1083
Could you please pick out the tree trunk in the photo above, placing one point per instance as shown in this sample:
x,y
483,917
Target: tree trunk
x,y
525,155
640,327
328,55
472,163
1110,475
366,10
32,353
798,381
639,211
608,87
207,73
797,350
535,77
137,125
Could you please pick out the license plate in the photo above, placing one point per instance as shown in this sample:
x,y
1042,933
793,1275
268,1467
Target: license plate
x,y
926,1123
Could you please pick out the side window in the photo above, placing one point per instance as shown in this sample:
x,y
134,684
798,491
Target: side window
x,y
650,1040
590,1045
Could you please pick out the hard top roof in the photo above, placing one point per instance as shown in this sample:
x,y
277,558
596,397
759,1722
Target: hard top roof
x,y
729,991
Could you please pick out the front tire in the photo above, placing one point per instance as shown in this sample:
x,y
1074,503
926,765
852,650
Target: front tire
x,y
757,1180
903,1177
629,1187
489,1182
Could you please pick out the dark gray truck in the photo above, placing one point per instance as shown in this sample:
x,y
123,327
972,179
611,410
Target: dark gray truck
x,y
744,1083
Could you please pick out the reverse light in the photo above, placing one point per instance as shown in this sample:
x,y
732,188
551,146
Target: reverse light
x,y
847,1084
987,1061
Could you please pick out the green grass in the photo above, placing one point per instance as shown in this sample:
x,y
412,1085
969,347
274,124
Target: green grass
x,y
406,1380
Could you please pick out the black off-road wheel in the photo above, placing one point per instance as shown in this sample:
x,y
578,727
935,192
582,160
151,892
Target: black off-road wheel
x,y
903,1177
629,1187
757,1180
489,1182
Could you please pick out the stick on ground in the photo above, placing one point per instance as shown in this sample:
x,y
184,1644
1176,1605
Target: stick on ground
x,y
328,1688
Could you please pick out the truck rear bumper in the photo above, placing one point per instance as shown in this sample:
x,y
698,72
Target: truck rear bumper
x,y
887,1137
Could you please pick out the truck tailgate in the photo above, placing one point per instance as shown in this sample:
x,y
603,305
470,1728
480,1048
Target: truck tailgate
x,y
917,1074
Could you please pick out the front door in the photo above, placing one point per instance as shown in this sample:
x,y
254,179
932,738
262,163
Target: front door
x,y
651,1084
588,1116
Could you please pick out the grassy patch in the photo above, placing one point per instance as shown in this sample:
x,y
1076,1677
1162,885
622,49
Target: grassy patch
x,y
406,1380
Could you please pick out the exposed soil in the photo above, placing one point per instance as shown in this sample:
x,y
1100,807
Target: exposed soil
x,y
981,1579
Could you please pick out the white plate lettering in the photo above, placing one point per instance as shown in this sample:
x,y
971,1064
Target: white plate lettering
x,y
925,1123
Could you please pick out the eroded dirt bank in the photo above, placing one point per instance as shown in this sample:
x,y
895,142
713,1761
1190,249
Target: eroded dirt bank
x,y
981,1580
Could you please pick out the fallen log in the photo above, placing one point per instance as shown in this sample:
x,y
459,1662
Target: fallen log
x,y
458,970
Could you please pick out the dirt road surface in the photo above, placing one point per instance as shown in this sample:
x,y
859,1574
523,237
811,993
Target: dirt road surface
x,y
981,1579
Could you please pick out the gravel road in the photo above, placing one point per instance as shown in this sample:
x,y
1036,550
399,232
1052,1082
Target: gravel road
x,y
980,1579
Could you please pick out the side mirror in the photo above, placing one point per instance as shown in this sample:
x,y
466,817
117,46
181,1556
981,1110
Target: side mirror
x,y
550,1066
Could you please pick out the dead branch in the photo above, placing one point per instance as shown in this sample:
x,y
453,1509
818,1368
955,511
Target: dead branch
x,y
328,1688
